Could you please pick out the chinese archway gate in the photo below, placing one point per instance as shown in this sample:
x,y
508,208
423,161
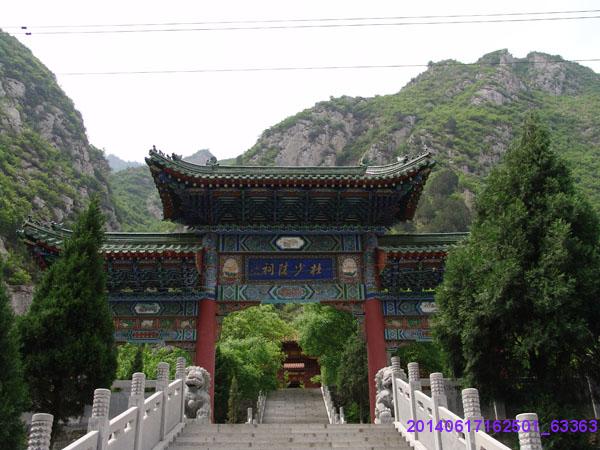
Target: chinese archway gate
x,y
271,235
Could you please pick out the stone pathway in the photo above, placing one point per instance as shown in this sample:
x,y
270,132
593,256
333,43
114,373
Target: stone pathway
x,y
294,419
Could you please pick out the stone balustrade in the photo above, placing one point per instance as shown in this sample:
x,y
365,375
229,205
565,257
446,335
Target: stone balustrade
x,y
335,417
147,424
411,406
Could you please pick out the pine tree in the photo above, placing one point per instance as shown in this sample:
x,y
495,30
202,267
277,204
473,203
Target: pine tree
x,y
518,308
353,376
233,401
138,361
13,394
67,336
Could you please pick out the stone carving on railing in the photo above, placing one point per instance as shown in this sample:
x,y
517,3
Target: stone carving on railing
x,y
384,402
197,397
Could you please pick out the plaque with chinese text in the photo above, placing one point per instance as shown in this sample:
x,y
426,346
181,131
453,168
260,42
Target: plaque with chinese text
x,y
291,269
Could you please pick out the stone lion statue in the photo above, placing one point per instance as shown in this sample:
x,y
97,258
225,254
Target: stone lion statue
x,y
197,397
384,401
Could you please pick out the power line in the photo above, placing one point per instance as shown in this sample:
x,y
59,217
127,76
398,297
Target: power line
x,y
286,27
329,19
300,68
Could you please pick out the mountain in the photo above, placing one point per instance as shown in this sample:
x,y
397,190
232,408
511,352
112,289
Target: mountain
x,y
136,198
117,164
200,157
465,114
48,169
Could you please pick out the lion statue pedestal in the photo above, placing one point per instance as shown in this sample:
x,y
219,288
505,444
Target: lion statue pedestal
x,y
197,397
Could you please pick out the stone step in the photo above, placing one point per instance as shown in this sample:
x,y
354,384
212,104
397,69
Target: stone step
x,y
269,447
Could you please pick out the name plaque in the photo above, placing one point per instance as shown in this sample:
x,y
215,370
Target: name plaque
x,y
290,269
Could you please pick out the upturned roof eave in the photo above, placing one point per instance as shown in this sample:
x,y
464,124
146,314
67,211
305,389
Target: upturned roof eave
x,y
162,161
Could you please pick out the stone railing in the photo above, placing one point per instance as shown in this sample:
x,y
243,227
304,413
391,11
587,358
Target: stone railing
x,y
148,424
414,411
334,416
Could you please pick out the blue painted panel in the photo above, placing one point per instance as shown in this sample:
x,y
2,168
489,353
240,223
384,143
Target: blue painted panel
x,y
291,269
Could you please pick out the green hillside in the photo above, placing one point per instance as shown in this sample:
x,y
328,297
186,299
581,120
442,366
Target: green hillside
x,y
464,114
48,169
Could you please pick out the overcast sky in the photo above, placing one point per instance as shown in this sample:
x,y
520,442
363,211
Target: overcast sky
x,y
226,112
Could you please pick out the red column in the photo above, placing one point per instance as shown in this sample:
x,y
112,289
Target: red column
x,y
206,336
376,354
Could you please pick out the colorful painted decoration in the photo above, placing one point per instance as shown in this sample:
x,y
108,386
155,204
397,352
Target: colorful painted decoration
x,y
290,243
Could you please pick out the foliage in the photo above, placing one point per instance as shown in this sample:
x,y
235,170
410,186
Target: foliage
x,y
145,358
13,394
38,164
233,401
442,208
428,354
260,321
136,199
519,300
447,111
254,361
353,377
323,332
67,336
250,351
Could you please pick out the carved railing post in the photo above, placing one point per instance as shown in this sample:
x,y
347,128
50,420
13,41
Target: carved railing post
x,y
414,384
99,419
342,415
396,370
136,398
472,409
180,375
41,431
249,419
438,397
529,440
162,383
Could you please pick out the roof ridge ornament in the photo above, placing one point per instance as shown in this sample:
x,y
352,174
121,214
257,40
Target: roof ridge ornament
x,y
212,162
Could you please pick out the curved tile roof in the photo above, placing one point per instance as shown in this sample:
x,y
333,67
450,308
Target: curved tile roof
x,y
53,235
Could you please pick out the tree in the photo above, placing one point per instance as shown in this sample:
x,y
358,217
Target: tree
x,y
323,332
518,308
233,401
13,394
144,358
263,321
353,377
67,336
427,354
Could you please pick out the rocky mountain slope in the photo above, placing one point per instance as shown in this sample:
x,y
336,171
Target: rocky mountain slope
x,y
465,114
48,169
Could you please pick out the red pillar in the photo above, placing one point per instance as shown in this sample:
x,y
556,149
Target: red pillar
x,y
376,354
206,336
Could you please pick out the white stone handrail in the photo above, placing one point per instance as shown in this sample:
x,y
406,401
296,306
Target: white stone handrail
x,y
333,416
411,405
148,424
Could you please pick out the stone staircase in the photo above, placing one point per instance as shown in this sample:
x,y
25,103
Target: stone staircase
x,y
294,419
295,406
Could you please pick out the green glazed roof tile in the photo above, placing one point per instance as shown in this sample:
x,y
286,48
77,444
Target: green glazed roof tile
x,y
118,242
366,173
420,243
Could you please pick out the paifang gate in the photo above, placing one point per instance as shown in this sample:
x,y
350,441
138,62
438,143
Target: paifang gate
x,y
271,235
